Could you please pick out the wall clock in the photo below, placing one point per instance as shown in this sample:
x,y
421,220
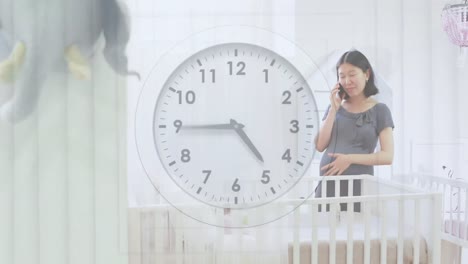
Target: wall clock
x,y
229,123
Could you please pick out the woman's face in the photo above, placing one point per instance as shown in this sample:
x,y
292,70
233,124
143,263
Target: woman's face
x,y
352,78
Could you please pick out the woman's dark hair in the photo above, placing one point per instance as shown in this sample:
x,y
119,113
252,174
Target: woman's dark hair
x,y
356,58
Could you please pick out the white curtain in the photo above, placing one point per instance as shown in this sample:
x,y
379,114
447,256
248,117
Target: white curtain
x,y
63,174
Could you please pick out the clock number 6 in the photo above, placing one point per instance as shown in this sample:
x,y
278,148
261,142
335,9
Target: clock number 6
x,y
235,186
185,155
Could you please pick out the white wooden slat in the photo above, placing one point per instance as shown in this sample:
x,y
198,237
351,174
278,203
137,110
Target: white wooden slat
x,y
442,212
121,113
334,211
367,226
148,238
314,216
417,236
465,213
107,153
450,226
458,210
52,171
400,232
25,193
296,238
383,232
80,151
6,193
135,233
180,254
350,239
436,234
219,245
260,233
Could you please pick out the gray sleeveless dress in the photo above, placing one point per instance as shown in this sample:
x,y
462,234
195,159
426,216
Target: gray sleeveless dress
x,y
354,133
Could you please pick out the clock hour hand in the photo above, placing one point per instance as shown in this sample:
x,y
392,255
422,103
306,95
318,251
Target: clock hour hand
x,y
240,131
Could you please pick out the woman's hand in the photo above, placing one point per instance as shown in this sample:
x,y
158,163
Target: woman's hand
x,y
338,166
335,99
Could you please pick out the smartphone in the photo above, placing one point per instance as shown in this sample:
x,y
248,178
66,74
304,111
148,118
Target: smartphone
x,y
341,92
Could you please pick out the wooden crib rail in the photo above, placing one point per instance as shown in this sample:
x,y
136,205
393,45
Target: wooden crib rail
x,y
454,212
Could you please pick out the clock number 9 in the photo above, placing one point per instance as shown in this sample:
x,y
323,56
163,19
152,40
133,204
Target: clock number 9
x,y
295,126
265,177
185,155
235,186
189,97
240,64
177,125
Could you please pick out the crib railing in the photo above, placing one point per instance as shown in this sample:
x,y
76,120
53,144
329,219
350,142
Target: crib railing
x,y
162,234
394,204
454,212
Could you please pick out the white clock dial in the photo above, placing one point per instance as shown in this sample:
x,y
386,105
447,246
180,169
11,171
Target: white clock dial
x,y
234,125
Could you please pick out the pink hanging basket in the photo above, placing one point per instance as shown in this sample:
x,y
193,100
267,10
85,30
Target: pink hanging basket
x,y
455,23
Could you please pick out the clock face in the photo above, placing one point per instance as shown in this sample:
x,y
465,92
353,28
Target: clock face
x,y
234,125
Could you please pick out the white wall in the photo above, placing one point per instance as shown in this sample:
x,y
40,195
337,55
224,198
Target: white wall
x,y
403,39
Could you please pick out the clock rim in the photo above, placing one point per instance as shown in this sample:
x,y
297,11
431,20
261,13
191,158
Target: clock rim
x,y
169,62
169,173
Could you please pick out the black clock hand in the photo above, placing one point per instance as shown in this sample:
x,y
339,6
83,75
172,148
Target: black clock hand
x,y
240,131
210,126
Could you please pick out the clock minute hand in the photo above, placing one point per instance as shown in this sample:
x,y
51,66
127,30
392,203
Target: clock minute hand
x,y
240,131
209,126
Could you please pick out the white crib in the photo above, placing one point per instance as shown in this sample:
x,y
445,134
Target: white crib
x,y
454,212
397,224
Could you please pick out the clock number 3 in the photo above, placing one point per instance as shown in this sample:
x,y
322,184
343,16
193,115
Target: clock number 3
x,y
295,126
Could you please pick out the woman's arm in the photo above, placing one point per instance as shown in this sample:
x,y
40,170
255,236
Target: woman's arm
x,y
382,157
322,139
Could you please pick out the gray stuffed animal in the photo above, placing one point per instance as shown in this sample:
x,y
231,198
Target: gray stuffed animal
x,y
38,37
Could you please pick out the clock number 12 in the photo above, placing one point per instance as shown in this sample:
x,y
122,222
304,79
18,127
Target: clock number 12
x,y
240,64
